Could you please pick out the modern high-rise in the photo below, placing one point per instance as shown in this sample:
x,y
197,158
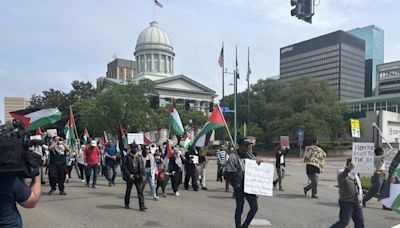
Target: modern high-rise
x,y
388,75
13,104
374,54
337,58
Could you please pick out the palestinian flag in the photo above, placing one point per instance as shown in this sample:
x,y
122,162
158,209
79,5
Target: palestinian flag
x,y
188,142
390,192
147,140
69,131
175,120
168,155
215,121
86,137
33,118
122,140
39,131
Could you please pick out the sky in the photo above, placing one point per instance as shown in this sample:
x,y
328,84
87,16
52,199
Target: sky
x,y
50,43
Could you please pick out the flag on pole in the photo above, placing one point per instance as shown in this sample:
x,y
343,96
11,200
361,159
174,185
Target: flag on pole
x,y
221,57
86,137
188,142
168,155
215,121
157,3
39,131
33,118
390,192
237,66
122,140
69,131
175,120
248,65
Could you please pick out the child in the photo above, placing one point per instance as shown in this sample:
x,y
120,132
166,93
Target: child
x,y
160,176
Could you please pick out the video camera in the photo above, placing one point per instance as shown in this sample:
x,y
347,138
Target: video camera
x,y
15,156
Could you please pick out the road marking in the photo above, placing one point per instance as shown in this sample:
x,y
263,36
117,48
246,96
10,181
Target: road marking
x,y
396,226
260,222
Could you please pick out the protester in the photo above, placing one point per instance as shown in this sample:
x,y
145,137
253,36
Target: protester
x,y
279,164
132,171
312,173
235,167
379,176
149,174
221,162
12,191
191,172
158,157
92,162
160,177
201,167
176,167
57,166
81,162
350,198
70,160
110,152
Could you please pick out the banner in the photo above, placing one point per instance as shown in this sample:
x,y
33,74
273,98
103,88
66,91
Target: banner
x,y
258,178
138,138
313,155
363,157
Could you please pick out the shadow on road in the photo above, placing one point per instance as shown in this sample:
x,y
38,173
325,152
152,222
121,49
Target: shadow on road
x,y
220,197
152,223
329,204
111,207
291,196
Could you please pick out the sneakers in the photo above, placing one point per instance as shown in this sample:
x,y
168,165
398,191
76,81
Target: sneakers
x,y
204,188
364,203
143,208
155,197
109,185
51,191
94,186
314,197
177,194
281,189
127,207
305,190
83,181
63,193
164,195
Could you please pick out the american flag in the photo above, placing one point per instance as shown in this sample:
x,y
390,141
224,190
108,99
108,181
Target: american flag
x,y
158,3
221,58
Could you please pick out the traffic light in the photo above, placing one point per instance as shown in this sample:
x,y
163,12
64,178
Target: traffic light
x,y
154,101
303,9
211,107
187,105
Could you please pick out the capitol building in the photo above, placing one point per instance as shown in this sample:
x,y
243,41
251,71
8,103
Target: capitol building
x,y
154,60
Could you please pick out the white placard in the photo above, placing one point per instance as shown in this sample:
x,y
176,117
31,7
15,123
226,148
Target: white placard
x,y
138,138
51,132
258,178
363,157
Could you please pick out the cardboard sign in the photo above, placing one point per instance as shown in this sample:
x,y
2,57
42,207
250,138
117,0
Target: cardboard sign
x,y
284,141
363,157
313,155
258,178
138,138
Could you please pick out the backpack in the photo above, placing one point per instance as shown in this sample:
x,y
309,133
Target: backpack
x,y
11,151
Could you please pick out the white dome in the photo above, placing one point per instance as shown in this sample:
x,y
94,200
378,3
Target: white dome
x,y
154,38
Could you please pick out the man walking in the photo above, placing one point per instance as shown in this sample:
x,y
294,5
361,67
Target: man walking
x,y
279,164
313,170
57,167
191,172
221,160
92,162
350,198
110,152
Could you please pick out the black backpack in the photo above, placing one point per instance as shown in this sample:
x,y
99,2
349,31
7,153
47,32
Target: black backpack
x,y
11,151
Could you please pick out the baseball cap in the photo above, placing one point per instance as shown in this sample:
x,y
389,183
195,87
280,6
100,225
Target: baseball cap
x,y
242,141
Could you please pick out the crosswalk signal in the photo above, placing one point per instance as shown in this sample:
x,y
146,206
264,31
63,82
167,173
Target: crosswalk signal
x,y
211,107
187,105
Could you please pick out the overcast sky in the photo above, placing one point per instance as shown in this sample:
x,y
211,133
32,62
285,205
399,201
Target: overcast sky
x,y
49,43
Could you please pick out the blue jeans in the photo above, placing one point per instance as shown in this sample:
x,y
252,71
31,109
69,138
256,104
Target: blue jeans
x,y
111,167
149,178
349,210
88,172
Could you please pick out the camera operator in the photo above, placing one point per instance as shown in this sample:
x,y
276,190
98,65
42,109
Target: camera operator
x,y
57,166
12,188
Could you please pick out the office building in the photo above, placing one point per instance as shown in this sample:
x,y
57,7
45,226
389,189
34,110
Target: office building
x,y
388,75
121,69
374,54
13,104
337,58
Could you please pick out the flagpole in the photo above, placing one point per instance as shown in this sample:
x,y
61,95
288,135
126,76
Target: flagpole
x,y
154,5
248,87
223,85
226,126
234,103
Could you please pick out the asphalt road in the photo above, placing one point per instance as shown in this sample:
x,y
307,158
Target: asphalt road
x,y
103,206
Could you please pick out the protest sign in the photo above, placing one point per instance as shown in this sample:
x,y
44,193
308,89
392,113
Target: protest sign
x,y
363,157
313,155
258,178
51,132
284,141
135,137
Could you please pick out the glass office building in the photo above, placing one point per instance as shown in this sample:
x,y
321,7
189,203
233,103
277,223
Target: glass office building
x,y
374,54
337,58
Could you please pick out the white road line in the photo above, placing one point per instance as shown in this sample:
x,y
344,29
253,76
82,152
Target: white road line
x,y
260,222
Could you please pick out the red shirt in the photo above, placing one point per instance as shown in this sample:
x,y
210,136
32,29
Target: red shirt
x,y
92,155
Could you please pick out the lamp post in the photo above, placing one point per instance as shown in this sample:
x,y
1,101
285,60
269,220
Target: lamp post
x,y
234,106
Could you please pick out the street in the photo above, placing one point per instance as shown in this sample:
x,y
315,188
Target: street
x,y
103,206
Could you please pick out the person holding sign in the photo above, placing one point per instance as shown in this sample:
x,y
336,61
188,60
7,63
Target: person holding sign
x,y
235,169
314,157
350,197
279,164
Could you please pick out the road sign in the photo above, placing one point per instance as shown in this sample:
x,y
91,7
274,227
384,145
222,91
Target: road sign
x,y
224,109
300,132
355,128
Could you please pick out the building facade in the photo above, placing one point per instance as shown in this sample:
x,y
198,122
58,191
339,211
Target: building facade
x,y
388,76
13,104
337,58
121,69
374,54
